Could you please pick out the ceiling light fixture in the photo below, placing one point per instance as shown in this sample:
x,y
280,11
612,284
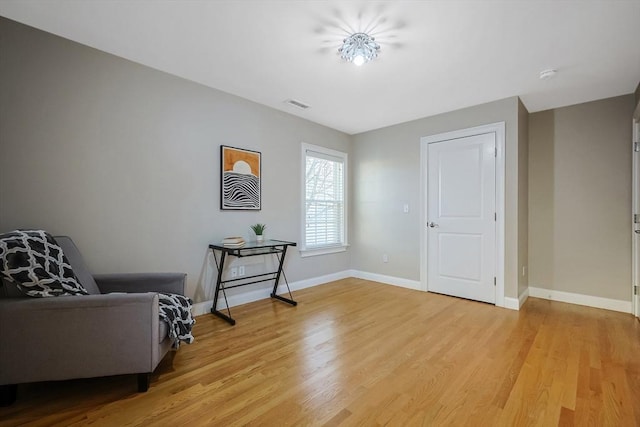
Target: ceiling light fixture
x,y
359,48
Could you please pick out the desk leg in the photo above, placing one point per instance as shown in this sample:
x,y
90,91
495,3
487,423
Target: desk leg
x,y
277,281
214,308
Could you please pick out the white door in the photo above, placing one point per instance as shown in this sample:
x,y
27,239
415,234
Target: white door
x,y
461,215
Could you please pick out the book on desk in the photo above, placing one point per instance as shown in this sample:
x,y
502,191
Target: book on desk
x,y
233,242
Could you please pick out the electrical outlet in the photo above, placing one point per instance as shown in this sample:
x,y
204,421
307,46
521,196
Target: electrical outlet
x,y
234,272
524,270
385,258
405,208
241,270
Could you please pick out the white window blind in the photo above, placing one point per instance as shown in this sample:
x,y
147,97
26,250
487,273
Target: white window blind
x,y
324,189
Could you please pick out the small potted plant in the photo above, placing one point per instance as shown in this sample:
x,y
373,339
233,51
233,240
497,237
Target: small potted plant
x,y
259,230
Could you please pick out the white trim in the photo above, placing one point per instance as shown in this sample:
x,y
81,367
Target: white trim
x,y
315,281
200,308
511,303
523,297
322,251
204,307
516,303
635,209
499,130
388,280
303,161
580,299
258,294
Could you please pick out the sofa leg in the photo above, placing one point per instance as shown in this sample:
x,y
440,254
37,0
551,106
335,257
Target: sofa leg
x,y
8,393
143,382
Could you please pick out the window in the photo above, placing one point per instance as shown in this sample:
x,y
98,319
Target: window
x,y
324,195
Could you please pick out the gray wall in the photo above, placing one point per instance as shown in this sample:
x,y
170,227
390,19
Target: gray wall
x,y
125,159
386,175
580,198
523,197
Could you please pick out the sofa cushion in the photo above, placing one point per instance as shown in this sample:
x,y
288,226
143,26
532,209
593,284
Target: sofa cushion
x,y
80,269
163,330
9,289
33,260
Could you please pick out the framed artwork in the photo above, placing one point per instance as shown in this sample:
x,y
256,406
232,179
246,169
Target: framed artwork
x,y
240,179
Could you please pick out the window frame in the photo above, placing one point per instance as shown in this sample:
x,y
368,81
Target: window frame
x,y
324,249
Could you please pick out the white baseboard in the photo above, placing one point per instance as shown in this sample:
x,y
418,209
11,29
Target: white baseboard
x,y
258,294
516,303
588,300
389,280
200,308
523,297
511,303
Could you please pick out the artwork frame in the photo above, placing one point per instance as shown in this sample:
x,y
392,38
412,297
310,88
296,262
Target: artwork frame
x,y
240,179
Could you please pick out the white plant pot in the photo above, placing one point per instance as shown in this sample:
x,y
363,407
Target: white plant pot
x,y
259,238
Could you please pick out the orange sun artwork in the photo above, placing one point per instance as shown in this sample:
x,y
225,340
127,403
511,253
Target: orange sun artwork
x,y
241,184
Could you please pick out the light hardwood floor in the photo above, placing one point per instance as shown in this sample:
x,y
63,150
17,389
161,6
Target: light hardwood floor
x,y
355,352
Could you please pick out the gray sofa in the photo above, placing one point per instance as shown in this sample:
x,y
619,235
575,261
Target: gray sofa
x,y
101,334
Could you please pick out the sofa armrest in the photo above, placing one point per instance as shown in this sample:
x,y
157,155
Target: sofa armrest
x,y
43,339
173,283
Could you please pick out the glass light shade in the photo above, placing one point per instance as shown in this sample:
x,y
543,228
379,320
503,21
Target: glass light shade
x,y
359,48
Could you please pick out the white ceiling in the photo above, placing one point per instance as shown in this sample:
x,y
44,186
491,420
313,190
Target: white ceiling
x,y
435,56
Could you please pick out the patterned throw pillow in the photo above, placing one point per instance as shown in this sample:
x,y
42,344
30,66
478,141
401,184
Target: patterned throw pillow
x,y
34,261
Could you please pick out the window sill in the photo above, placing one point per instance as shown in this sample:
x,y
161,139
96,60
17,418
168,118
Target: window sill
x,y
304,253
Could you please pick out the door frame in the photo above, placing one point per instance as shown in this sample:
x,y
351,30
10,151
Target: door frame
x,y
635,209
499,129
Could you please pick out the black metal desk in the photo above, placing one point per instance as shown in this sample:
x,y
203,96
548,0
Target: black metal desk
x,y
268,247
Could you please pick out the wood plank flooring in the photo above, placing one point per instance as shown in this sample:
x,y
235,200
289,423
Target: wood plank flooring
x,y
359,353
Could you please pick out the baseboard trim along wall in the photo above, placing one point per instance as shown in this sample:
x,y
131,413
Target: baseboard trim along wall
x,y
256,295
204,307
200,308
516,303
388,280
511,303
588,300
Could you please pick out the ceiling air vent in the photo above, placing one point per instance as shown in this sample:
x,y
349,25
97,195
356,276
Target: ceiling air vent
x,y
297,104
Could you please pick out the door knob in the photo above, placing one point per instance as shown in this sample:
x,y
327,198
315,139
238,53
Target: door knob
x,y
433,224
637,231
